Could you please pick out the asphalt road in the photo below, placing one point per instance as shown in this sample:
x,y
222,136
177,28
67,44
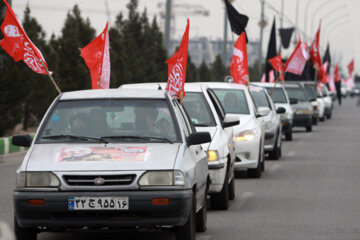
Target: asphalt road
x,y
313,192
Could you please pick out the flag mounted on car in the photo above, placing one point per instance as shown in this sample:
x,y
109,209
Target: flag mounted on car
x,y
97,57
315,50
239,63
238,22
177,67
351,67
276,63
297,60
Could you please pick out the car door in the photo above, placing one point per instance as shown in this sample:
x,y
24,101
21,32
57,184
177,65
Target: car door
x,y
199,156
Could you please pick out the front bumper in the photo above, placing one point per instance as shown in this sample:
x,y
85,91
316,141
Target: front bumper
x,y
142,213
217,174
247,154
302,120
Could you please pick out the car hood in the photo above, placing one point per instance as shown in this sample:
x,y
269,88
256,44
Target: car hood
x,y
66,157
247,122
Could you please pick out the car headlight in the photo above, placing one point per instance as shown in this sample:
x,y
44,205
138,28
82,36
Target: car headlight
x,y
246,135
268,125
303,111
37,180
212,155
162,178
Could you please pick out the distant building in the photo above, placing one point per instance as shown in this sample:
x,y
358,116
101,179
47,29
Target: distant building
x,y
204,49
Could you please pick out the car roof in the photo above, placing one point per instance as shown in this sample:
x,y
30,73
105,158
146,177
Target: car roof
x,y
225,85
152,85
113,93
267,84
292,84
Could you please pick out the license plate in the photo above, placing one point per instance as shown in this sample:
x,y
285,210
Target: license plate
x,y
98,203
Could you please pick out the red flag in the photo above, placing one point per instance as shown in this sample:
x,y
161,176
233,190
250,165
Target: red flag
x,y
296,62
271,76
18,45
351,67
336,73
315,50
331,83
177,66
263,78
239,63
323,73
276,62
97,58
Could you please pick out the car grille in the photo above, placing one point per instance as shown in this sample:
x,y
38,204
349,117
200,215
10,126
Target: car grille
x,y
98,180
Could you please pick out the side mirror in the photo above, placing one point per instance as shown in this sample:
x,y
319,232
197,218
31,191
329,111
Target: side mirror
x,y
293,101
198,138
21,140
280,110
262,111
230,121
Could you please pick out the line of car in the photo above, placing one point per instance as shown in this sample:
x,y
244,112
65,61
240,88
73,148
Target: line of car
x,y
134,157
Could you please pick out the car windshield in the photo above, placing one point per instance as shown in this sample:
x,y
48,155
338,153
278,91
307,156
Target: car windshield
x,y
323,90
277,95
233,101
115,120
260,98
296,93
198,109
310,91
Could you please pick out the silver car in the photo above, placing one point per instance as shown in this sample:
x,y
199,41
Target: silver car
x,y
113,158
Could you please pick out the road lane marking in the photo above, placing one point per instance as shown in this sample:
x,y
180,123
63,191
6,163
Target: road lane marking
x,y
291,154
275,167
5,232
243,199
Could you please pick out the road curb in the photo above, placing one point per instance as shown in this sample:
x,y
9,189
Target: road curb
x,y
6,147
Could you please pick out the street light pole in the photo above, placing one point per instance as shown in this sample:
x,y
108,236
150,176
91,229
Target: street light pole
x,y
261,30
167,25
225,37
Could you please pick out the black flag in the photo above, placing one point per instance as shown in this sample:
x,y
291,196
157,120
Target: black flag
x,y
327,57
285,36
237,21
271,52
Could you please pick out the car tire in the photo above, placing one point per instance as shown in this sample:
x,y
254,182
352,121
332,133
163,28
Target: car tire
x,y
288,135
328,116
24,233
322,119
275,153
187,232
220,201
201,216
309,128
232,189
256,172
314,121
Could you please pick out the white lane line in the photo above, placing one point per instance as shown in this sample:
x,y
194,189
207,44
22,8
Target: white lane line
x,y
274,167
5,232
291,154
243,199
204,237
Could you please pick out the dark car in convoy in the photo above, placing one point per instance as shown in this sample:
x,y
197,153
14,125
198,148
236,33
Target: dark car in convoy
x,y
300,102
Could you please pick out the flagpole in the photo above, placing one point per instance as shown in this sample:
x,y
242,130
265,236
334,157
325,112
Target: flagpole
x,y
51,78
276,81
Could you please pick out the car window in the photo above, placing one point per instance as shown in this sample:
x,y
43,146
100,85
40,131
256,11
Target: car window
x,y
198,109
104,118
217,105
323,90
260,98
296,93
233,101
277,95
310,91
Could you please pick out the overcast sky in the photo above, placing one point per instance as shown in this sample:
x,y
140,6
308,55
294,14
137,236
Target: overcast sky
x,y
340,19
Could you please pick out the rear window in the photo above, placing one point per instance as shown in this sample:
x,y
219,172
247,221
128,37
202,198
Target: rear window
x,y
310,91
277,95
296,93
233,101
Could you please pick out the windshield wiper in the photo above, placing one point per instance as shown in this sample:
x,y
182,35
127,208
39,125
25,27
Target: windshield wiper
x,y
139,137
75,137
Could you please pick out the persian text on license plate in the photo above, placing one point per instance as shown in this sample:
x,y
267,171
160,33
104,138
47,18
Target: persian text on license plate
x,y
98,203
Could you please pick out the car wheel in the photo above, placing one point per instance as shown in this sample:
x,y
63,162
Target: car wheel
x,y
187,232
256,172
201,216
309,128
314,121
220,201
328,116
275,153
24,233
232,189
322,119
288,135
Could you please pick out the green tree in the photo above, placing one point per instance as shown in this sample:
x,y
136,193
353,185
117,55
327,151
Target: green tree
x,y
73,74
203,73
218,70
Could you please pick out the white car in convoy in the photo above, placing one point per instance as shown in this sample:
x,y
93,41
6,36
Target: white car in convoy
x,y
112,158
321,102
250,134
207,114
280,99
310,88
327,99
273,130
